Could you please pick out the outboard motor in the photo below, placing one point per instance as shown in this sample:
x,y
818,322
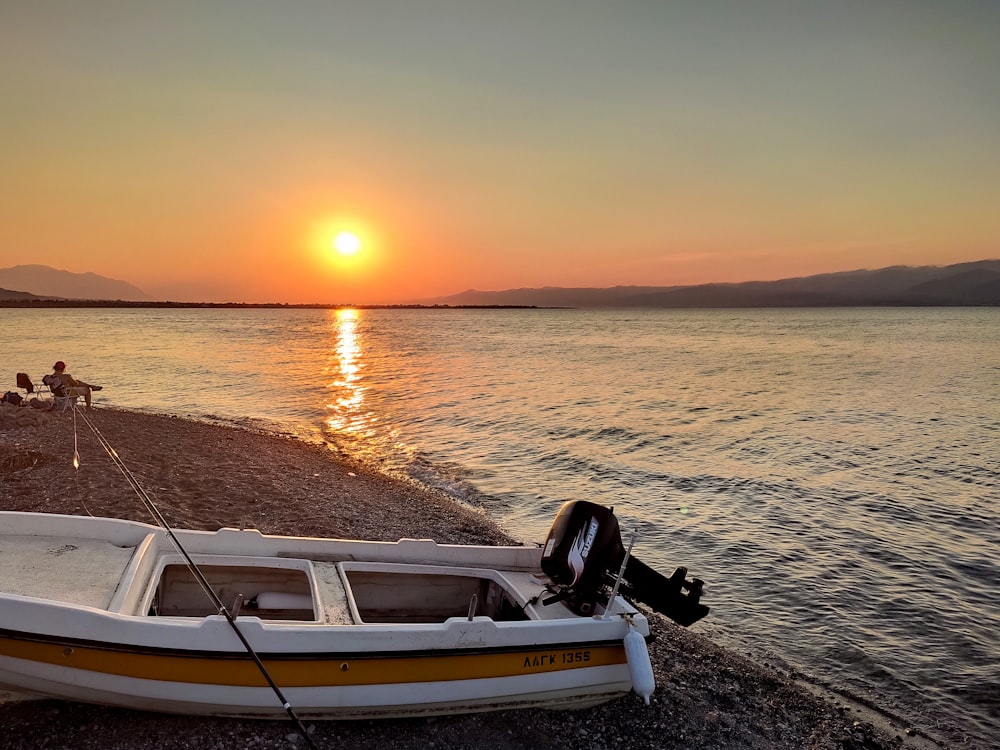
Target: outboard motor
x,y
582,546
584,550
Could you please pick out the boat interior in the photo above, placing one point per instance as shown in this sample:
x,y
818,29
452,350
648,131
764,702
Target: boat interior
x,y
273,593
335,593
397,593
147,581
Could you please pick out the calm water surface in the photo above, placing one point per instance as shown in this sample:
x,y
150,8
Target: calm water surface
x,y
833,475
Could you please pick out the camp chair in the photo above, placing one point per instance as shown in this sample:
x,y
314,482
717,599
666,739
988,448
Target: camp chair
x,y
59,403
30,389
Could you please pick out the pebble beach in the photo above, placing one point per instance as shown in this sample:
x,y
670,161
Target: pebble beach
x,y
207,476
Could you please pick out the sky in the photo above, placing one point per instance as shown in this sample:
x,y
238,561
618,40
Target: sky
x,y
210,150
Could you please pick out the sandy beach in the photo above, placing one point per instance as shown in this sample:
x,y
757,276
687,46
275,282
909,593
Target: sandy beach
x,y
207,476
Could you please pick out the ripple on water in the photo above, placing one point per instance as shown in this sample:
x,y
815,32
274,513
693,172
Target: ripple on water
x,y
833,475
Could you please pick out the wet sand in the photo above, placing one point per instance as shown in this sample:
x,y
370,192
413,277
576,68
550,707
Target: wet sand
x,y
207,476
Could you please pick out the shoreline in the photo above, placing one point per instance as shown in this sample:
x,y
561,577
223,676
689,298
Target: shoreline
x,y
706,696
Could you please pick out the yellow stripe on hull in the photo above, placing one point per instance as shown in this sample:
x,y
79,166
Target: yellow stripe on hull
x,y
312,670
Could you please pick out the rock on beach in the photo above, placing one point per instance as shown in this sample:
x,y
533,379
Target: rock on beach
x,y
206,476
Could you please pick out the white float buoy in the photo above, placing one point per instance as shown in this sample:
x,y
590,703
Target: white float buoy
x,y
639,667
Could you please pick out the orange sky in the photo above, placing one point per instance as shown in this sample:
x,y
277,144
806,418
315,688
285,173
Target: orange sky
x,y
210,151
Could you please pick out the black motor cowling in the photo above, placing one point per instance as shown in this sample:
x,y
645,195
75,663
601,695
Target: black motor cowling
x,y
582,546
582,554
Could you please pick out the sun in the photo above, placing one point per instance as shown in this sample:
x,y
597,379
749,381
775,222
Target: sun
x,y
347,246
347,243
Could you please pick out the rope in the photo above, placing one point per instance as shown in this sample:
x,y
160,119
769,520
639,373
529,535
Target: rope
x,y
76,468
192,566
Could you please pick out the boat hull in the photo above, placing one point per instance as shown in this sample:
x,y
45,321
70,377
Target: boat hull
x,y
337,685
361,645
587,687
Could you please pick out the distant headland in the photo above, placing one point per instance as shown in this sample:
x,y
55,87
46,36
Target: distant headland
x,y
40,302
970,284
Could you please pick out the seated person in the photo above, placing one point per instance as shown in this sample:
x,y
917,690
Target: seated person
x,y
64,384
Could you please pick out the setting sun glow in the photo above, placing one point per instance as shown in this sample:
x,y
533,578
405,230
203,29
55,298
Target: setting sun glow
x,y
347,243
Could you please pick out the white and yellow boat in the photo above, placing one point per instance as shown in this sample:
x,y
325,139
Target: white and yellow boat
x,y
238,623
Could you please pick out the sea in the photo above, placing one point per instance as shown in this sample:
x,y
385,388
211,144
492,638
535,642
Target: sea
x,y
833,475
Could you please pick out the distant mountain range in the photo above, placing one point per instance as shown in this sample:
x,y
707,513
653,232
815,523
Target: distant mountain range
x,y
976,283
43,282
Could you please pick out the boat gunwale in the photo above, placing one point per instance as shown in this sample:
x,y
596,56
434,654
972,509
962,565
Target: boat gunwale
x,y
233,541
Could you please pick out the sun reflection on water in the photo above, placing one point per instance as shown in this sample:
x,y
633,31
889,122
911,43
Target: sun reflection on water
x,y
348,395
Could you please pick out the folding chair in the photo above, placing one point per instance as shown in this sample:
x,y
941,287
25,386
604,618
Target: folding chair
x,y
62,399
30,389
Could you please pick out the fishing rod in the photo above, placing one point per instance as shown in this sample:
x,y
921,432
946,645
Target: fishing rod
x,y
192,566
